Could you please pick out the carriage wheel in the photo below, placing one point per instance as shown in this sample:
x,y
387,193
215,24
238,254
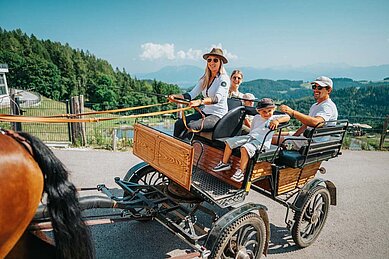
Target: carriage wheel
x,y
310,220
146,176
243,238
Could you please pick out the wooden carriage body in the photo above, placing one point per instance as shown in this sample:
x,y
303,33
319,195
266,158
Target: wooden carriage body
x,y
190,165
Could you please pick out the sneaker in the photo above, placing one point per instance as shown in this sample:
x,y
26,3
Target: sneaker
x,y
221,167
238,176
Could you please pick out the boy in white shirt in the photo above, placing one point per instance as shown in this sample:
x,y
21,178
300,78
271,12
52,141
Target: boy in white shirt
x,y
262,123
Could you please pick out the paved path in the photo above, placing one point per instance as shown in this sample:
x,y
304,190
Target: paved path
x,y
357,227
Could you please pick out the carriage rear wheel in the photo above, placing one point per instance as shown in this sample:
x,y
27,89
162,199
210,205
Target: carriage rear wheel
x,y
145,176
243,238
310,220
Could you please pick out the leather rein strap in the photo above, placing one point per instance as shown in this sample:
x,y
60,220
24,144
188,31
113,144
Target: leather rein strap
x,y
184,118
55,119
69,118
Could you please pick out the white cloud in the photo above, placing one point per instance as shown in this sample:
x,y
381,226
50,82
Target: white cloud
x,y
152,51
181,54
193,54
157,51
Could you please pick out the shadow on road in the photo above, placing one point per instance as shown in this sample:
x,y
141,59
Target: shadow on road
x,y
280,240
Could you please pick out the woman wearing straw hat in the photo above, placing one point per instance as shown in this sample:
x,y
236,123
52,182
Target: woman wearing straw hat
x,y
213,86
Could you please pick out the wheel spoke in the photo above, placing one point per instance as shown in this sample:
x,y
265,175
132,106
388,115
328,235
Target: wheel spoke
x,y
252,234
242,234
318,205
251,243
307,231
316,200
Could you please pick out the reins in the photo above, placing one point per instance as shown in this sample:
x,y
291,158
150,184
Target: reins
x,y
71,118
179,101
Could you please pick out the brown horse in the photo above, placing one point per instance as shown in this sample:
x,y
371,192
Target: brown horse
x,y
27,169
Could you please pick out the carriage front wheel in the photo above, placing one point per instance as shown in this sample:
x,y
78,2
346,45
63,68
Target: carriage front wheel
x,y
243,238
310,220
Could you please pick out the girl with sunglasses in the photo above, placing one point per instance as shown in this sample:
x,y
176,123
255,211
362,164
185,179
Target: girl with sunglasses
x,y
213,86
236,80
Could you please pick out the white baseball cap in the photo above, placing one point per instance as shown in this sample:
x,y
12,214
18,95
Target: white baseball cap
x,y
323,81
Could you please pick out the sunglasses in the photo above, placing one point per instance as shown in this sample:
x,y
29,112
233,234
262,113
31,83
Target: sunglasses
x,y
236,78
318,87
215,60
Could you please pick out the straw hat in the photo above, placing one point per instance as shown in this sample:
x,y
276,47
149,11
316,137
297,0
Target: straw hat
x,y
216,52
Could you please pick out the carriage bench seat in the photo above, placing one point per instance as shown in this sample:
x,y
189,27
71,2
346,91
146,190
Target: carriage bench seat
x,y
321,143
295,159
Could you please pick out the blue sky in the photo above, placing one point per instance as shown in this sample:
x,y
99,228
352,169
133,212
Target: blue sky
x,y
144,36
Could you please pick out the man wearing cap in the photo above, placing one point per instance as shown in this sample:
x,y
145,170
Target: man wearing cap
x,y
323,110
213,86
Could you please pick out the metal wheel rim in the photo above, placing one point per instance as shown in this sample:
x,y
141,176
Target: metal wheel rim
x,y
313,217
243,244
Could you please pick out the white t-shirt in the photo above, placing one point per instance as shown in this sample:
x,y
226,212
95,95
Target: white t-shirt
x,y
260,127
218,88
326,109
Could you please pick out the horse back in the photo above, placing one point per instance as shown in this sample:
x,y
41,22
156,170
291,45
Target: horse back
x,y
21,187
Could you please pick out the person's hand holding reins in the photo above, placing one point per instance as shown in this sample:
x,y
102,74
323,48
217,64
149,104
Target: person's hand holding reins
x,y
195,103
173,97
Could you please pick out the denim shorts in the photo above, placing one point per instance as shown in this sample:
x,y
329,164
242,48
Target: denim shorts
x,y
248,142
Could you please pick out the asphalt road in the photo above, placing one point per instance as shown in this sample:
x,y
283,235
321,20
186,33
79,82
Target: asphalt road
x,y
358,227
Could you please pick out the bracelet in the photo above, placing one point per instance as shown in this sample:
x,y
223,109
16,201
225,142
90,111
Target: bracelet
x,y
293,113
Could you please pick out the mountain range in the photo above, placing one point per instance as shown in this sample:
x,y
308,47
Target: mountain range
x,y
187,75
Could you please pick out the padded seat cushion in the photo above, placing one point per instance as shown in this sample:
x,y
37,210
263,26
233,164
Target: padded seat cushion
x,y
293,158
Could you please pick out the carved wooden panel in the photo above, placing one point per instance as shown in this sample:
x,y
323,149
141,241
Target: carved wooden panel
x,y
170,156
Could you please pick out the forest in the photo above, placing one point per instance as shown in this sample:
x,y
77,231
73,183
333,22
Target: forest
x,y
58,72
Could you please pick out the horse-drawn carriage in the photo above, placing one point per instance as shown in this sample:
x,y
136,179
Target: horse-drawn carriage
x,y
175,185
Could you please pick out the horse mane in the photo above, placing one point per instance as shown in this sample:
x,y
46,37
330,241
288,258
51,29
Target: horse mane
x,y
72,236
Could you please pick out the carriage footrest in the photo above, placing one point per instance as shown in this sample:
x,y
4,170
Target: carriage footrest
x,y
215,190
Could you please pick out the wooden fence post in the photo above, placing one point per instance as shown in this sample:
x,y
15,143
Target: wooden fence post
x,y
383,133
78,128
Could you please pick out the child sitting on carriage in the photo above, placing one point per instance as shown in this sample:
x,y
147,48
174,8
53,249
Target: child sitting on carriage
x,y
262,123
